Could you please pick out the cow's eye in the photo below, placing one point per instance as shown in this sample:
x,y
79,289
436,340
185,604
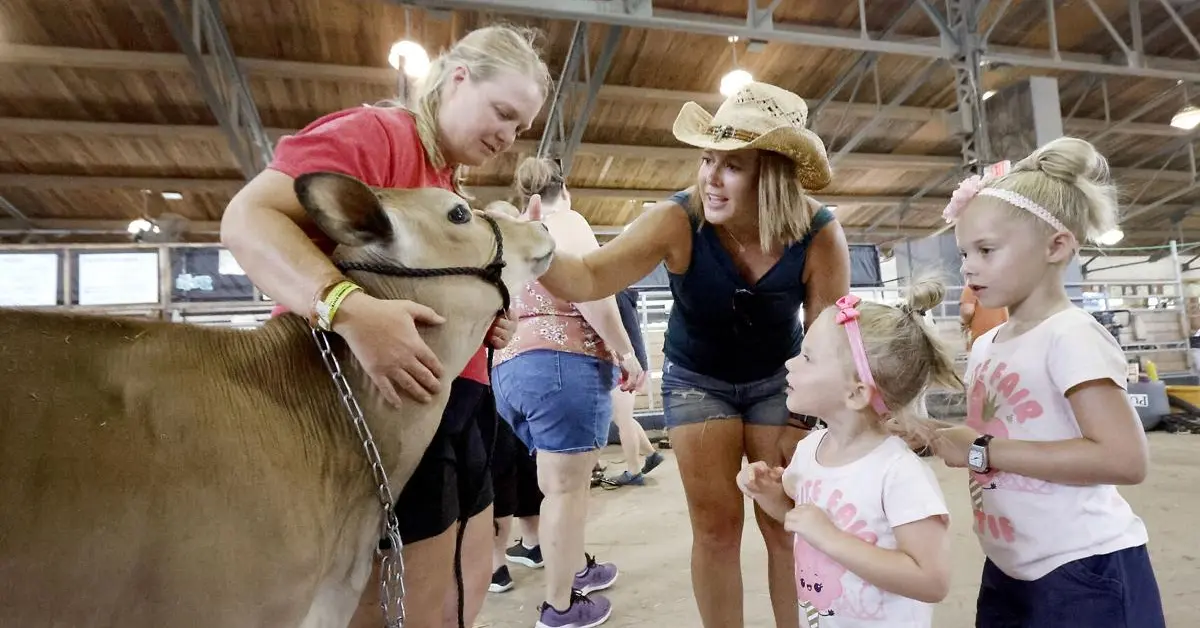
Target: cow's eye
x,y
460,215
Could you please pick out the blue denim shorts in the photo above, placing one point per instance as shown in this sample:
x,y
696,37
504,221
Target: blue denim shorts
x,y
556,401
689,398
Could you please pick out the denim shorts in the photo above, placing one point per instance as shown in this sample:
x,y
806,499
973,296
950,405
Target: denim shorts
x,y
1116,590
556,401
689,398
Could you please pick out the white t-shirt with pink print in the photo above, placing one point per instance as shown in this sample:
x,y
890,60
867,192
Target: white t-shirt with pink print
x,y
1017,389
885,489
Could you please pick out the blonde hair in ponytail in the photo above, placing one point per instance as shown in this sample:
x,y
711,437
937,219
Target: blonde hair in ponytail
x,y
905,354
483,52
1070,179
538,175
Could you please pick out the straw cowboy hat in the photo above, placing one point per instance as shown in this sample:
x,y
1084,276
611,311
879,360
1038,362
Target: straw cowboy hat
x,y
759,116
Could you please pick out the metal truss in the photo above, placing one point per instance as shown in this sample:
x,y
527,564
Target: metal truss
x,y
866,62
642,14
962,16
17,214
205,42
914,82
575,95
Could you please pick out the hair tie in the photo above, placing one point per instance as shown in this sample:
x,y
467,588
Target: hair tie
x,y
847,317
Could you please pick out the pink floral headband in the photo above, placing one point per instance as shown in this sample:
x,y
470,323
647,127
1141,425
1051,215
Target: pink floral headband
x,y
847,317
975,186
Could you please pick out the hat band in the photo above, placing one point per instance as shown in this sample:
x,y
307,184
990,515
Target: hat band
x,y
725,131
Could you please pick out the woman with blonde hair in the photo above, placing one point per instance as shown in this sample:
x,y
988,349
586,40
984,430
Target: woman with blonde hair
x,y
553,384
477,98
746,248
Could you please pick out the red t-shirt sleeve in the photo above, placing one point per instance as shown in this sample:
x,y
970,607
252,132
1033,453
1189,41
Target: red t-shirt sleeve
x,y
356,142
353,142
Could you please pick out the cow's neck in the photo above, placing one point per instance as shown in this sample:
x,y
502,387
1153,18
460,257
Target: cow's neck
x,y
469,306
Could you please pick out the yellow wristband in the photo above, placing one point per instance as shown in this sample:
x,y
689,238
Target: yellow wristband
x,y
327,308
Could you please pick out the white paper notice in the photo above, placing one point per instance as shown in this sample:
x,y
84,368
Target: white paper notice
x,y
118,278
28,279
226,265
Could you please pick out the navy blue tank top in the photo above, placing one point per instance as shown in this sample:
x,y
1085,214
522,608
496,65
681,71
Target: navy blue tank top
x,y
723,327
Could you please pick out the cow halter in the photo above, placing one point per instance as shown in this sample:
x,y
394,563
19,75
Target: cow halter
x,y
490,273
391,586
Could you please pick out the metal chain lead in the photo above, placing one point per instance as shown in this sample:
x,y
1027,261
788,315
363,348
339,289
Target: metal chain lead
x,y
391,585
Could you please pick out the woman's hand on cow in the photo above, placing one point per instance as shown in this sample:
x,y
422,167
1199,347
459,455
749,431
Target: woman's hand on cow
x,y
383,335
503,329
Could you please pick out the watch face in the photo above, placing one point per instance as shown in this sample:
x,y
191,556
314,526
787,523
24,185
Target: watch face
x,y
975,458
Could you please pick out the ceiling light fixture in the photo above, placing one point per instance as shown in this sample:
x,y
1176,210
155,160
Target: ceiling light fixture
x,y
140,226
1187,118
736,79
416,60
1110,237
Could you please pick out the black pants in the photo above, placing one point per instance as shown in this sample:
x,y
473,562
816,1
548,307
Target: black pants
x,y
453,479
514,476
1116,590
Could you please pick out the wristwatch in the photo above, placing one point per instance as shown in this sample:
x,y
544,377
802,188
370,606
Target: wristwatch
x,y
977,455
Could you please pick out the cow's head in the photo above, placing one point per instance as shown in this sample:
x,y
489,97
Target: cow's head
x,y
421,228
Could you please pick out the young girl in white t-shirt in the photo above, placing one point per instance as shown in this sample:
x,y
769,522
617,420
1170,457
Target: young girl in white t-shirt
x,y
1050,429
871,545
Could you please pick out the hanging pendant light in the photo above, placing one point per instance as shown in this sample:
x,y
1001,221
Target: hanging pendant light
x,y
737,78
1187,118
1110,237
407,54
415,59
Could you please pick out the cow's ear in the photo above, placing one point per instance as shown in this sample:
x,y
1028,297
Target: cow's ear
x,y
345,208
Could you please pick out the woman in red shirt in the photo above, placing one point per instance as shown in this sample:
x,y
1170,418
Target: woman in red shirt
x,y
476,99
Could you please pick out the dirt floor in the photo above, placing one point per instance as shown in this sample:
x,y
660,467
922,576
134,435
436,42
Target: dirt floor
x,y
644,530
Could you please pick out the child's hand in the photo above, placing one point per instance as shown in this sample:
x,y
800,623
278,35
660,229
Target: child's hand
x,y
808,521
951,444
758,479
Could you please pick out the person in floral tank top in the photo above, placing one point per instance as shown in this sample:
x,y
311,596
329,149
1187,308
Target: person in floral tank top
x,y
553,384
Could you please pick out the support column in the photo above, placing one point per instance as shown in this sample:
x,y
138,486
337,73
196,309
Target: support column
x,y
1022,117
963,38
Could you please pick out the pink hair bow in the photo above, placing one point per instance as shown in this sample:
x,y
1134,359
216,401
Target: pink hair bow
x,y
967,190
847,317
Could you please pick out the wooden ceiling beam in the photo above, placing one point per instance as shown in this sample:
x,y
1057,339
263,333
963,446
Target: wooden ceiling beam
x,y
140,61
483,192
862,161
486,192
36,126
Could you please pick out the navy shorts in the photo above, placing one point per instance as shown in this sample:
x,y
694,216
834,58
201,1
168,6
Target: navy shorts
x,y
453,480
514,477
1116,590
691,398
556,401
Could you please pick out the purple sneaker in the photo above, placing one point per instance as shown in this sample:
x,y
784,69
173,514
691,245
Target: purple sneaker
x,y
595,576
585,611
